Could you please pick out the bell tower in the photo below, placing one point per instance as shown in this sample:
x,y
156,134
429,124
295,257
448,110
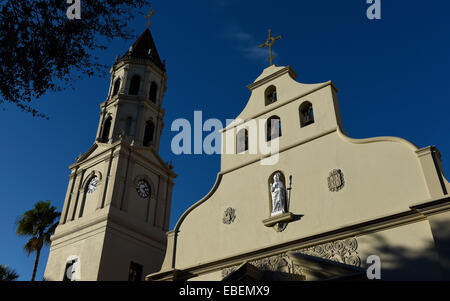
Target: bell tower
x,y
133,107
117,207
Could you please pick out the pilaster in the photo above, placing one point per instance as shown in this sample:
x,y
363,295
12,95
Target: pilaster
x,y
75,196
68,198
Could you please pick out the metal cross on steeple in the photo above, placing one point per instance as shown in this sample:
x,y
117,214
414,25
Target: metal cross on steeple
x,y
149,16
269,43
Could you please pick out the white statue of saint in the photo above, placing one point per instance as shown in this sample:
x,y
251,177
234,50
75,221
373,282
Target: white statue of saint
x,y
278,192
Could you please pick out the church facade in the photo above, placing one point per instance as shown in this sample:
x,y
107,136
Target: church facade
x,y
324,206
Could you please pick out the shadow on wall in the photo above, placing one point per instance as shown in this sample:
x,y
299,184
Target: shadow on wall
x,y
429,262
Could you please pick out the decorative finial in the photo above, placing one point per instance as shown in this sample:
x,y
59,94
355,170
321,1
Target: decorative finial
x,y
269,43
149,17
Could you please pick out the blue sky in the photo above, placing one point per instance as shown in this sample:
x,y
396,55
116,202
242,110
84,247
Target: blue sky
x,y
392,76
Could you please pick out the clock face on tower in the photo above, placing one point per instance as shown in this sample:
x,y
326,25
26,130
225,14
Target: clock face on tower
x,y
143,189
92,186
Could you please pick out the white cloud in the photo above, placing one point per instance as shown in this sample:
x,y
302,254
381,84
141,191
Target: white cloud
x,y
248,45
242,36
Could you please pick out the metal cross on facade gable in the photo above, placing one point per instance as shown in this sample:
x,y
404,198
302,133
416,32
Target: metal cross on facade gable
x,y
269,43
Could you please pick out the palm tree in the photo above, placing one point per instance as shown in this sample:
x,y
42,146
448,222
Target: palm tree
x,y
39,223
7,274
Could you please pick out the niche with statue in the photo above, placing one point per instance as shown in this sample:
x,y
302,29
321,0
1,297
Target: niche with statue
x,y
279,197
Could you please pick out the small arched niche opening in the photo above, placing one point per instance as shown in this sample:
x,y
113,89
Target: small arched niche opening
x,y
273,128
306,113
242,141
149,133
135,85
116,87
106,129
153,92
270,95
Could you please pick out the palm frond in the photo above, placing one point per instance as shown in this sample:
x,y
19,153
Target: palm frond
x,y
33,244
7,274
39,223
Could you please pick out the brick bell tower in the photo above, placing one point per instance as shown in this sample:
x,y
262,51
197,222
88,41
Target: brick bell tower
x,y
117,207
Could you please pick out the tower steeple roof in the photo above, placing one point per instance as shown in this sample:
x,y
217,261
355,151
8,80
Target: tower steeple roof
x,y
145,48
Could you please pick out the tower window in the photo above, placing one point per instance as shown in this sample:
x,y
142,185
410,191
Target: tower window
x,y
306,114
271,95
149,133
135,85
242,141
135,272
116,87
273,128
106,129
153,92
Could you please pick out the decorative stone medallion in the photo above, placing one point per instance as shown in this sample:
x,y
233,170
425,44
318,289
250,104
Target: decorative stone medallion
x,y
229,216
336,180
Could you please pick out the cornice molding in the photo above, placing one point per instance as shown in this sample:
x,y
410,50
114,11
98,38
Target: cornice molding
x,y
110,147
78,227
127,61
435,206
112,222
